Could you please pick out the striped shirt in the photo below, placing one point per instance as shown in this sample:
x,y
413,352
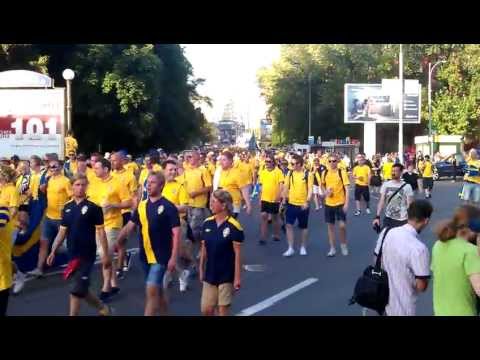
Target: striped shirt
x,y
405,258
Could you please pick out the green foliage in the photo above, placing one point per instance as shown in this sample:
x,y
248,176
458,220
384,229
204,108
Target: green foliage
x,y
284,85
133,96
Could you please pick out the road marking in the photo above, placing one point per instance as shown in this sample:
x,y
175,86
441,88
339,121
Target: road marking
x,y
276,298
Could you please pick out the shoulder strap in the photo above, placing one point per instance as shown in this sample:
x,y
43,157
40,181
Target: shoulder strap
x,y
396,192
378,261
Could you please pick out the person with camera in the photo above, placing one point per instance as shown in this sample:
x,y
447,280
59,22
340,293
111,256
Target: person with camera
x,y
406,260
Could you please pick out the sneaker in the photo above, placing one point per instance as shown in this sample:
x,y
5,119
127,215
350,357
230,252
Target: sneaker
x,y
128,258
19,282
262,242
368,211
357,212
289,252
183,280
120,274
106,311
167,280
332,252
344,249
303,251
36,273
276,238
104,296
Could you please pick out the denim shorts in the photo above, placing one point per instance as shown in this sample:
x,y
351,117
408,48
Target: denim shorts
x,y
471,192
154,274
50,229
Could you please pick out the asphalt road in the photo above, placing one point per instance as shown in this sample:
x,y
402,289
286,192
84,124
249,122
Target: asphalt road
x,y
297,286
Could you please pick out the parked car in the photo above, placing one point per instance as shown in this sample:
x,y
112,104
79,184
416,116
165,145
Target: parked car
x,y
444,168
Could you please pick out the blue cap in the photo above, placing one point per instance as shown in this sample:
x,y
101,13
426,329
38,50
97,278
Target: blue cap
x,y
474,225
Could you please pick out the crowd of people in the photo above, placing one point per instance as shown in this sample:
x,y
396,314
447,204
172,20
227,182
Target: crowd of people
x,y
182,211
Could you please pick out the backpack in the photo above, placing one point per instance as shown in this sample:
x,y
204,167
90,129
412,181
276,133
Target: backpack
x,y
323,176
371,290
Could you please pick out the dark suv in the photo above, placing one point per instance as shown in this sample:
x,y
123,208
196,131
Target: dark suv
x,y
444,168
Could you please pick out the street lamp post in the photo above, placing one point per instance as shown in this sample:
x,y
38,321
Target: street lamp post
x,y
69,75
430,72
309,104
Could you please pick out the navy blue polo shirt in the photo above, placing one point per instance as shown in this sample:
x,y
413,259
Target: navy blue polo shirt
x,y
156,221
81,221
218,240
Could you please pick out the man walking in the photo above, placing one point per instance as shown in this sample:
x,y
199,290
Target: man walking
x,y
362,174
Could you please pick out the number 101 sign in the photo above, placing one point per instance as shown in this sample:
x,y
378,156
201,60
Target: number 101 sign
x,y
32,122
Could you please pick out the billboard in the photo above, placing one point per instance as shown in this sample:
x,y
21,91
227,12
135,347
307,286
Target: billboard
x,y
381,102
32,122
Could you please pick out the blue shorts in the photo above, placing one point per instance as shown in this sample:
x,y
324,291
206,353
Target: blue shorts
x,y
50,229
471,192
154,274
294,213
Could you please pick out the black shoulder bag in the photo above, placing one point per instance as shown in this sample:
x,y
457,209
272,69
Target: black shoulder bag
x,y
371,290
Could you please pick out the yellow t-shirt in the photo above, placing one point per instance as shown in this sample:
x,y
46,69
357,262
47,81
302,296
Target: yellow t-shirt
x,y
110,191
194,180
35,184
59,191
71,145
211,168
298,187
127,178
132,167
362,172
5,250
387,170
271,182
474,165
9,196
145,172
175,192
331,180
427,171
246,169
233,180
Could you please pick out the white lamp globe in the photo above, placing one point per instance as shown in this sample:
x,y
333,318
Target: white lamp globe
x,y
68,74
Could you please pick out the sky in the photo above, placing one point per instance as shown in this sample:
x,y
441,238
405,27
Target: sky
x,y
230,73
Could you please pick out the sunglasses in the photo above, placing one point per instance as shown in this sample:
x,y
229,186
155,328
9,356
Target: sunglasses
x,y
294,163
332,161
268,161
54,167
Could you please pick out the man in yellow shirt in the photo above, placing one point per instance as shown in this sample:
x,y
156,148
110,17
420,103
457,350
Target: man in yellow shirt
x,y
71,165
362,174
112,196
211,164
387,169
58,191
152,161
334,182
83,169
297,193
271,181
6,271
71,144
23,182
471,185
131,165
9,196
174,191
232,180
426,168
127,178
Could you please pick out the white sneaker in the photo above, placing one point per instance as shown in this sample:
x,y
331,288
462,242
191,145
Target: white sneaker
x,y
289,252
35,272
332,252
183,280
19,282
303,251
368,211
167,279
344,249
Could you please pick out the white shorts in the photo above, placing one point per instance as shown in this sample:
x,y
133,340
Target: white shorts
x,y
317,190
112,235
